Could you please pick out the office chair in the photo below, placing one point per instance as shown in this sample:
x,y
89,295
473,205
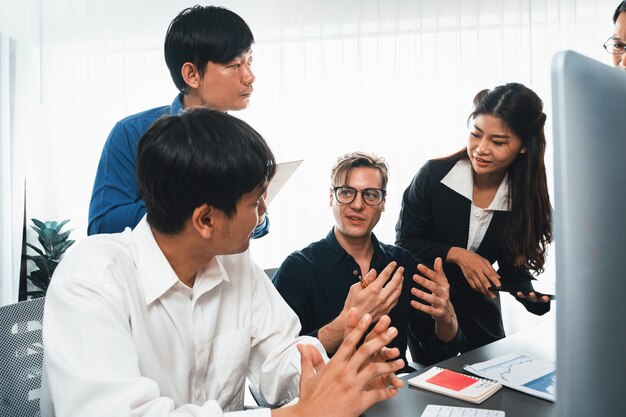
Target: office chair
x,y
256,395
270,272
21,357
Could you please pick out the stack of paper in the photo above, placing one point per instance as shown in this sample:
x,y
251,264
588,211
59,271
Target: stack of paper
x,y
457,385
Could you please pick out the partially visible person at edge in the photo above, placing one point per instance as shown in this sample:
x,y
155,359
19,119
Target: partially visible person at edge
x,y
486,203
169,319
350,267
208,52
616,44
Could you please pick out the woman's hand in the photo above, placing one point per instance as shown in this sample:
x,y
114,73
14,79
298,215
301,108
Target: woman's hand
x,y
532,297
478,271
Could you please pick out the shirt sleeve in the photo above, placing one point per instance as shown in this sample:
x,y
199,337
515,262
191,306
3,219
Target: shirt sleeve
x,y
91,365
262,229
274,358
413,229
115,203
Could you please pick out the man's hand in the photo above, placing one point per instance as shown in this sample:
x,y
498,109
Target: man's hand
x,y
352,381
439,306
477,270
376,299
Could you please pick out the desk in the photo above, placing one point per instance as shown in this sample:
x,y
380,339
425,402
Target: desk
x,y
538,341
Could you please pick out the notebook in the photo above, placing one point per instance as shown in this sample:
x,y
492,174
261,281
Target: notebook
x,y
457,385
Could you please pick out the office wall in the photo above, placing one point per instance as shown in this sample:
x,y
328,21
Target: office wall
x,y
393,77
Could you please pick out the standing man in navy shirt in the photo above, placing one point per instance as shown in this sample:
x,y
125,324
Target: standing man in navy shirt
x,y
208,52
351,268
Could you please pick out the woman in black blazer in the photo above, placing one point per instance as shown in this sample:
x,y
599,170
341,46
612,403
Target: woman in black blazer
x,y
486,203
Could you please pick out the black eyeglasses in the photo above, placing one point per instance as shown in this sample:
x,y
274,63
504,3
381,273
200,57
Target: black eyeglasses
x,y
371,196
614,46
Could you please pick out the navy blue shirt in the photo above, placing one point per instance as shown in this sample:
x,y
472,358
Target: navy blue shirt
x,y
115,202
315,282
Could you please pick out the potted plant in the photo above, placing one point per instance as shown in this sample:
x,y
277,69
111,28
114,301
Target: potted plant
x,y
53,244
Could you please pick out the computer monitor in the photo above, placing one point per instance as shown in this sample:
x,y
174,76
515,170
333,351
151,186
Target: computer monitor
x,y
589,114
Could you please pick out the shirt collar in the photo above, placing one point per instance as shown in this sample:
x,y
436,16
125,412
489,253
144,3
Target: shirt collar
x,y
460,180
338,252
156,273
177,105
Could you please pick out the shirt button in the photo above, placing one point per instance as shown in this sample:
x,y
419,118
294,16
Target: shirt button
x,y
477,214
201,348
355,272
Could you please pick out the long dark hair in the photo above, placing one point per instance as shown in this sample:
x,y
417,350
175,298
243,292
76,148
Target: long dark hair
x,y
529,229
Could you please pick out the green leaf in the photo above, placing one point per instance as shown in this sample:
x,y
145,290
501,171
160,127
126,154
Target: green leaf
x,y
62,237
60,225
33,257
52,225
59,249
42,264
39,279
34,294
39,223
35,248
36,229
49,235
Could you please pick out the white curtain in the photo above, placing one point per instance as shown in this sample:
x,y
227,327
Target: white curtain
x,y
19,116
392,77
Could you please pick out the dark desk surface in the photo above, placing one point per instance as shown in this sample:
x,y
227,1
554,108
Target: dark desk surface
x,y
538,341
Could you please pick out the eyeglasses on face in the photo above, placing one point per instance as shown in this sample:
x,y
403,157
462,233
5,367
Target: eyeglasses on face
x,y
614,46
371,196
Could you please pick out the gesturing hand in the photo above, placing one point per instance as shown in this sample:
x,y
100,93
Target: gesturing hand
x,y
353,380
377,298
477,270
439,306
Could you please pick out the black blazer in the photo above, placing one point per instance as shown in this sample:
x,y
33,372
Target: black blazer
x,y
434,218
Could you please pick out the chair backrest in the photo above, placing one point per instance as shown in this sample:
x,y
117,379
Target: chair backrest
x,y
270,272
21,358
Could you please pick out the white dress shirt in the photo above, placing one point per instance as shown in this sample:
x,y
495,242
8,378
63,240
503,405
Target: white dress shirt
x,y
124,336
461,180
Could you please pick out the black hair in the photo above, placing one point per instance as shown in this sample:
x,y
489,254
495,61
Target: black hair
x,y
621,8
200,34
197,157
529,228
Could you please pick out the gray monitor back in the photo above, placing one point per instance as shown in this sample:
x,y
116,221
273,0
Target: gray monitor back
x,y
589,111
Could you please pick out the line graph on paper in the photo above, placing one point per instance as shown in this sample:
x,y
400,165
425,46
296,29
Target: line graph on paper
x,y
513,370
520,370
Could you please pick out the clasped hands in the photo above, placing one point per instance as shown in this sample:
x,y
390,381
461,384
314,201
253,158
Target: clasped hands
x,y
481,275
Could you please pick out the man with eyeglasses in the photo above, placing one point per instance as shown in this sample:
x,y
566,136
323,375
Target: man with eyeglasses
x,y
351,268
616,44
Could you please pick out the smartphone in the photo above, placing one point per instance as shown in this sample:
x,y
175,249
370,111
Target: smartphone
x,y
525,292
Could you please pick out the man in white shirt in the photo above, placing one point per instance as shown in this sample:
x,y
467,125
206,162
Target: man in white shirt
x,y
170,318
